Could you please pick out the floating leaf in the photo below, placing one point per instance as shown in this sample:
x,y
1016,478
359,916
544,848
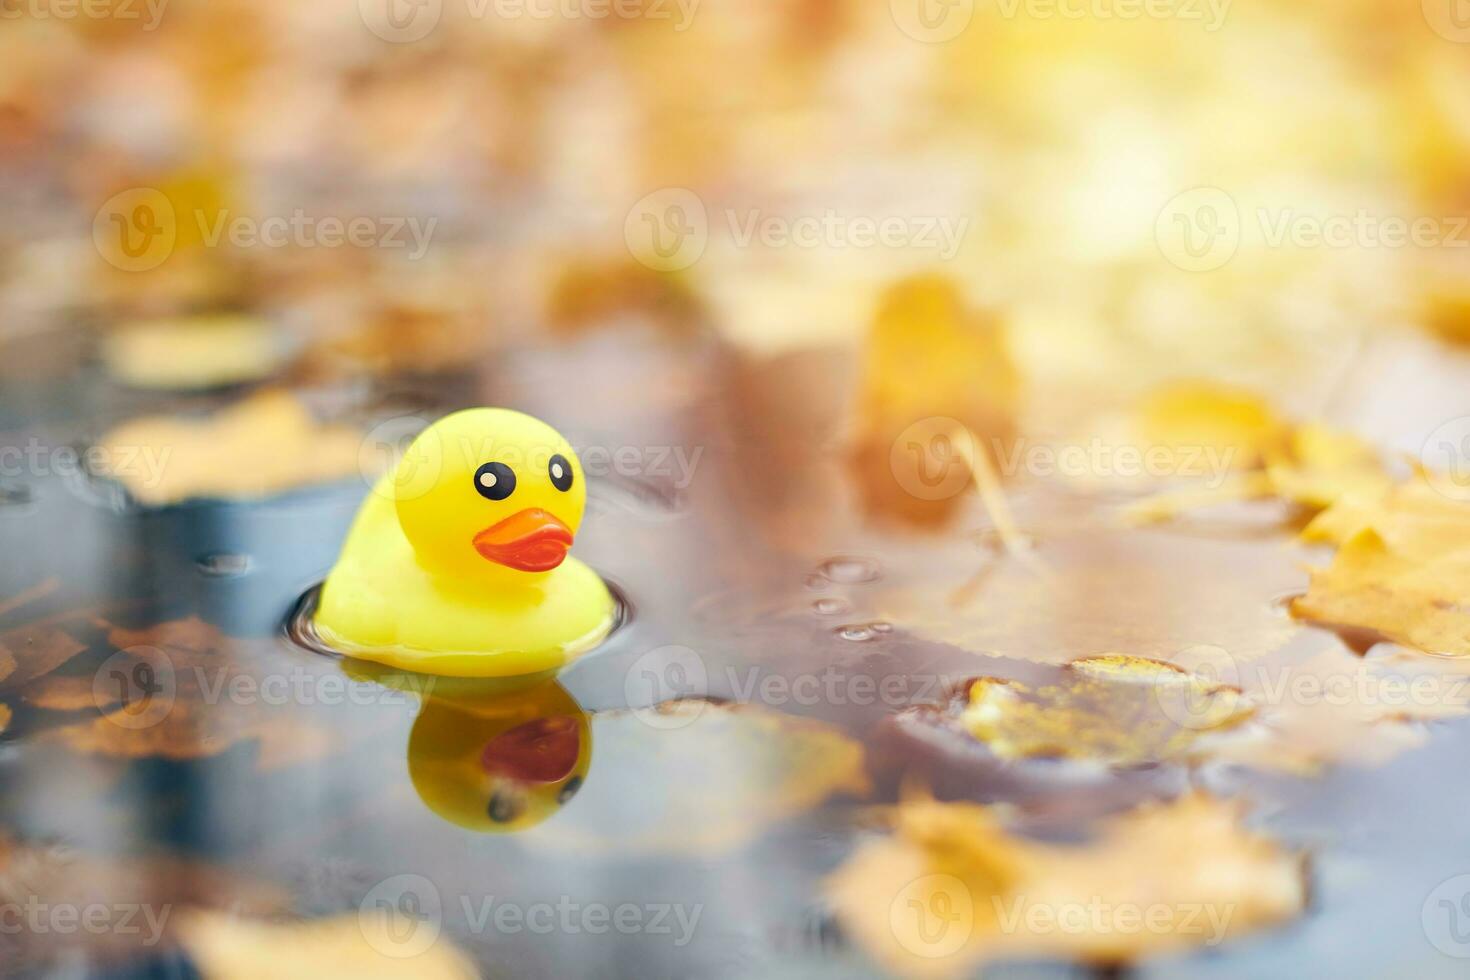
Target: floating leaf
x,y
1187,417
952,888
182,353
1421,600
227,947
262,445
1115,709
1310,465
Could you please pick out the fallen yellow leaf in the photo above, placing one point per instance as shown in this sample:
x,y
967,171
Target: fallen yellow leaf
x,y
951,888
364,947
1420,600
262,445
193,351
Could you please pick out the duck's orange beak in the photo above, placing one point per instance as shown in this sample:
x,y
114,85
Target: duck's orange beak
x,y
530,540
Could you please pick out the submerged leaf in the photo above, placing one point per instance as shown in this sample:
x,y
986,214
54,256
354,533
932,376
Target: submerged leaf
x,y
1114,709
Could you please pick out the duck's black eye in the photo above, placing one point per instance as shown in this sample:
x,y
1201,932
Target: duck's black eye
x,y
495,481
504,806
569,789
560,471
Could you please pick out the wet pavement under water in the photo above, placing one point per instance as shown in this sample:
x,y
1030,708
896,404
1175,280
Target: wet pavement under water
x,y
757,573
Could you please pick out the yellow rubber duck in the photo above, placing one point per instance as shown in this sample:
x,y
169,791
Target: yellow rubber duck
x,y
457,562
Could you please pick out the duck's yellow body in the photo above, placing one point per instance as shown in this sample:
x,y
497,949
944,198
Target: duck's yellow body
x,y
456,564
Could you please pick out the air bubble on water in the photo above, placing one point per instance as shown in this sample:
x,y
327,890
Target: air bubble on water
x,y
848,570
223,564
863,632
831,606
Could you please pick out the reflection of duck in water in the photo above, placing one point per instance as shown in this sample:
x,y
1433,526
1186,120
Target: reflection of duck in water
x,y
457,563
491,755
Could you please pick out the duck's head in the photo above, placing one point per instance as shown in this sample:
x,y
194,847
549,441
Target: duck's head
x,y
490,494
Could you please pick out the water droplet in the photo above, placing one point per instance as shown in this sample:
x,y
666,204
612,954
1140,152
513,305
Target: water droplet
x,y
223,564
863,632
831,606
848,569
